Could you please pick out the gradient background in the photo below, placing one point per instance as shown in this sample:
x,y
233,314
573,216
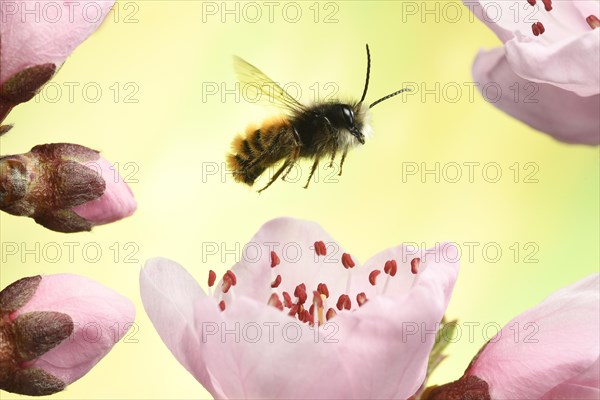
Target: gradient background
x,y
166,52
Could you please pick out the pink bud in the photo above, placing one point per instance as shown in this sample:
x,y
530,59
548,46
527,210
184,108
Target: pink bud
x,y
54,329
116,202
64,187
36,40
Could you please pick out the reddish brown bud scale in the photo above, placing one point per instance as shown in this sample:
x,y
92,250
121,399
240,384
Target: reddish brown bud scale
x,y
330,314
222,305
373,276
274,259
276,282
347,261
212,277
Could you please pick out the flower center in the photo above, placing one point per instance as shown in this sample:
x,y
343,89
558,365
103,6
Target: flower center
x,y
538,28
313,305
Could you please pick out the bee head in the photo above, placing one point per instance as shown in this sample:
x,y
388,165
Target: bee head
x,y
343,116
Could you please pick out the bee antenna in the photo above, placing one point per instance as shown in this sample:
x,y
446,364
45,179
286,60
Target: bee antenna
x,y
389,96
368,73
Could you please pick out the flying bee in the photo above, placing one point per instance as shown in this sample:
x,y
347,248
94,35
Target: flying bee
x,y
317,131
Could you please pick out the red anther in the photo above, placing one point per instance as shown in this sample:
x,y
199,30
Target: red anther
x,y
274,259
347,303
307,317
330,314
226,285
391,267
347,261
541,27
300,309
293,310
222,305
414,265
532,2
535,29
593,21
320,248
12,316
275,302
300,293
343,302
322,288
276,282
212,277
547,5
287,300
231,276
361,298
373,276
387,267
317,299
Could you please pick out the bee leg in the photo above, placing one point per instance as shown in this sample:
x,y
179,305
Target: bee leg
x,y
312,171
279,171
293,158
342,162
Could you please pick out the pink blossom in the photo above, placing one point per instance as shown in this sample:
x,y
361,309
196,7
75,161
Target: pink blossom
x,y
550,81
55,328
548,352
37,37
64,187
310,321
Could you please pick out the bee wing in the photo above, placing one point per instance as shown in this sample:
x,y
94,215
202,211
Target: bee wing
x,y
256,83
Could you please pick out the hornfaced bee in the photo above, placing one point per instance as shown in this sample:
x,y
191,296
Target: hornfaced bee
x,y
316,131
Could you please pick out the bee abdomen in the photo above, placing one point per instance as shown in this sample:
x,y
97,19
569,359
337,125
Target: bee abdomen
x,y
259,147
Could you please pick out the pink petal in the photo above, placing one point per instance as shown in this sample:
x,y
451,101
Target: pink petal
x,y
557,342
171,296
378,351
116,203
585,386
293,240
560,113
59,29
572,64
101,317
509,19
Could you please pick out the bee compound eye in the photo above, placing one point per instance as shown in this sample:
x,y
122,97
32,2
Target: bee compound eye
x,y
348,115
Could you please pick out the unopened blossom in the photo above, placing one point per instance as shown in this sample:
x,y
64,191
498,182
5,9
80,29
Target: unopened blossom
x,y
298,317
550,351
64,187
54,329
547,74
37,37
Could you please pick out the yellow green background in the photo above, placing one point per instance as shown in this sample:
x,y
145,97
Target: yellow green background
x,y
166,51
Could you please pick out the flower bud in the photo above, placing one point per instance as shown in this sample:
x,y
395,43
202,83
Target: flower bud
x,y
64,187
54,329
